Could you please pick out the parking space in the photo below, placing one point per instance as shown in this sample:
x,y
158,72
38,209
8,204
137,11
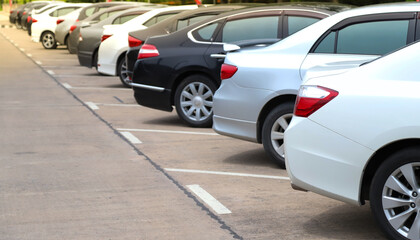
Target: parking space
x,y
256,195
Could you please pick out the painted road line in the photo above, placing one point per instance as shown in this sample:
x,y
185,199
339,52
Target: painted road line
x,y
208,199
22,49
227,173
166,131
29,55
92,105
130,137
117,104
38,62
50,72
66,85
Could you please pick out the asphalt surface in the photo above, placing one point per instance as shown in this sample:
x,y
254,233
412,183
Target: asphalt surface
x,y
79,159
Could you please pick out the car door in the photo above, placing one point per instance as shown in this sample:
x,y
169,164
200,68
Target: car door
x,y
360,39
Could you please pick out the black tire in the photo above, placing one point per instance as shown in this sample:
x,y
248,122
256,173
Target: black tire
x,y
274,147
48,40
394,166
95,60
18,25
66,41
122,73
200,112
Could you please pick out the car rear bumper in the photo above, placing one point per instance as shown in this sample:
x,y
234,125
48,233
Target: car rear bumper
x,y
108,69
235,128
85,58
152,97
324,162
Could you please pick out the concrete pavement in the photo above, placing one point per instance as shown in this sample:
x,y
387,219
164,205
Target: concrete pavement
x,y
65,173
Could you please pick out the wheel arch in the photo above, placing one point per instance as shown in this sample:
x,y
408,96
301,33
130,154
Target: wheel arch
x,y
45,31
267,109
377,159
120,57
185,74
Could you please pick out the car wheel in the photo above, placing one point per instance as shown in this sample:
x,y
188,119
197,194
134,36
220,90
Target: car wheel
x,y
122,73
95,60
273,131
395,195
48,40
18,25
194,101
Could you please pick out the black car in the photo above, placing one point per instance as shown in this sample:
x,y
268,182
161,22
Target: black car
x,y
183,68
172,24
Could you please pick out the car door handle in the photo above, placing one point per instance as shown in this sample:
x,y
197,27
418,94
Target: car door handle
x,y
218,55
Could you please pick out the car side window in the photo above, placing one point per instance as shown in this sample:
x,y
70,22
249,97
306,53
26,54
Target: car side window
x,y
297,23
369,38
89,11
54,13
157,19
186,22
64,11
206,33
251,28
123,19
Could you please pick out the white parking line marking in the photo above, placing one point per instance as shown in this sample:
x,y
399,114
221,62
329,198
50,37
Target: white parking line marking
x,y
91,88
29,55
50,72
38,62
166,131
130,137
227,173
92,105
209,199
118,105
66,85
22,49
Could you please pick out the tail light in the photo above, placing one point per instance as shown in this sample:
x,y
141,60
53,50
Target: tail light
x,y
11,11
72,28
105,37
312,98
34,20
28,20
60,21
227,71
24,13
147,51
134,42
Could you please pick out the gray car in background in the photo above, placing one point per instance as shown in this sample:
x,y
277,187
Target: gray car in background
x,y
105,12
63,26
90,35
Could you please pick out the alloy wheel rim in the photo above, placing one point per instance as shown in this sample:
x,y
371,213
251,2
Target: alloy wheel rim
x,y
123,73
197,101
401,200
48,40
277,133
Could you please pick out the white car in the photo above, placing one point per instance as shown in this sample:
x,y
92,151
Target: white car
x,y
355,136
44,24
259,87
111,54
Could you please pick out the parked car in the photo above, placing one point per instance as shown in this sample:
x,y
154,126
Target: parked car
x,y
172,24
27,11
43,24
183,68
111,53
272,75
63,26
38,11
355,137
90,36
16,15
74,32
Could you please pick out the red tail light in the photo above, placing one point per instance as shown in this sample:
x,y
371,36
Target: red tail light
x,y
11,11
72,28
24,13
227,71
60,21
134,42
34,20
312,98
105,37
147,51
28,20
